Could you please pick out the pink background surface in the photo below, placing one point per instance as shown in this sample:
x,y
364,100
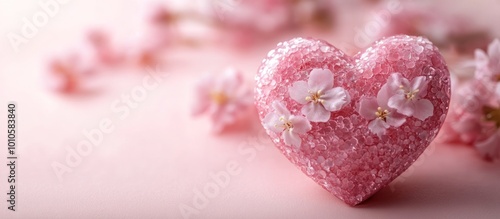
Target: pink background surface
x,y
149,165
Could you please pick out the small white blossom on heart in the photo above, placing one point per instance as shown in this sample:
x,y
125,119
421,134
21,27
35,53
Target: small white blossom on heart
x,y
408,98
319,96
378,112
290,126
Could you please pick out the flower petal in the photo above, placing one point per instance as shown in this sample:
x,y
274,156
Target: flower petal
x,y
490,148
335,99
405,83
222,117
423,109
315,112
368,107
395,119
299,91
481,58
420,83
494,49
320,79
494,57
402,105
291,139
230,81
200,105
202,94
467,123
281,109
300,124
243,99
384,94
273,123
395,81
378,127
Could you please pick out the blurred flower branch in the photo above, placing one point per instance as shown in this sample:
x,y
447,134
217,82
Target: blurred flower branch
x,y
474,117
240,20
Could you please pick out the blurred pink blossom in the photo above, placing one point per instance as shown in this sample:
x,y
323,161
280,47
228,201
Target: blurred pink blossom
x,y
224,98
474,116
453,31
405,22
490,148
143,52
469,126
70,74
465,117
105,52
488,63
254,15
246,21
161,23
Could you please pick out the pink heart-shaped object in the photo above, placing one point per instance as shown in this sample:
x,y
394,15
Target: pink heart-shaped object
x,y
353,124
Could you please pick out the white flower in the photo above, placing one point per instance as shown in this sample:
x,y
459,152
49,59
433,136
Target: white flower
x,y
290,126
408,96
319,96
380,115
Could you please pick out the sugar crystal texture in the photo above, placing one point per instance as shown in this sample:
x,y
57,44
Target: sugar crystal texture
x,y
342,155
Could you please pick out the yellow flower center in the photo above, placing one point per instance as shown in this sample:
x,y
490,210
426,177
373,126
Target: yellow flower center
x,y
219,98
315,97
286,124
492,114
382,114
410,95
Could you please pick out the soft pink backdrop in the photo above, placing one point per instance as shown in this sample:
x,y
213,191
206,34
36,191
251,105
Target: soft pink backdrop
x,y
154,159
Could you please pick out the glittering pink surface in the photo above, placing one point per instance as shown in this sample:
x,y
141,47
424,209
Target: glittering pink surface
x,y
342,155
